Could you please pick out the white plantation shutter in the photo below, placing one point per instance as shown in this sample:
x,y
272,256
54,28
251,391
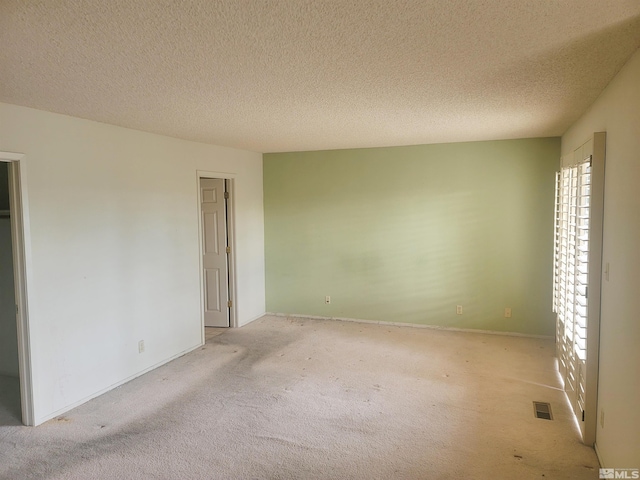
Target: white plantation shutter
x,y
577,269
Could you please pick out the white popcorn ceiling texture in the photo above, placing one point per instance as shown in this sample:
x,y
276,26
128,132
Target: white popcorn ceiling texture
x,y
289,75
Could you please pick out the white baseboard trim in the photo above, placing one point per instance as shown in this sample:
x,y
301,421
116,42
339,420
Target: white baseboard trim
x,y
40,420
600,461
251,320
414,325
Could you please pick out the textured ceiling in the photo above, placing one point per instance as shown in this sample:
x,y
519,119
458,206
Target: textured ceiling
x,y
285,75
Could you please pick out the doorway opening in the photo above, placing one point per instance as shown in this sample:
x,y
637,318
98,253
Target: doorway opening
x,y
16,403
9,369
216,250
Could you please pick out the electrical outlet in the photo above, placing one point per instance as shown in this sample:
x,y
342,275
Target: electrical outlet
x,y
141,346
602,418
507,312
459,310
327,299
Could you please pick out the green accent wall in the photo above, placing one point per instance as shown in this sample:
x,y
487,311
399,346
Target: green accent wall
x,y
404,234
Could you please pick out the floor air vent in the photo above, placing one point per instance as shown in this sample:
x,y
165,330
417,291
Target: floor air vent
x,y
542,410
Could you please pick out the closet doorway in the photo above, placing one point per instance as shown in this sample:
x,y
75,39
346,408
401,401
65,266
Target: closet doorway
x,y
16,401
9,369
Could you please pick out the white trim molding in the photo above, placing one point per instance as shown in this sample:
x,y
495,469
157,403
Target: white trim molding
x,y
414,325
20,237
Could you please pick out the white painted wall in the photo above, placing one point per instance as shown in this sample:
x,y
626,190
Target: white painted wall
x,y
617,111
114,257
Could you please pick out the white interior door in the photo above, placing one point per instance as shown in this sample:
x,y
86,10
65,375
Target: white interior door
x,y
214,252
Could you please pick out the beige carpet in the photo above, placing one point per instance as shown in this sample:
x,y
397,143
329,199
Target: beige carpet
x,y
286,398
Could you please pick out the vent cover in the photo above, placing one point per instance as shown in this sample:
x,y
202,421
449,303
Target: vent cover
x,y
542,410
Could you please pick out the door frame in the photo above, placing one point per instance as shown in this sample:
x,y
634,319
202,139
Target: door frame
x,y
230,220
20,239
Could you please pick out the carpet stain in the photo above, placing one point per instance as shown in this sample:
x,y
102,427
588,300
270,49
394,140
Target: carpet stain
x,y
294,422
